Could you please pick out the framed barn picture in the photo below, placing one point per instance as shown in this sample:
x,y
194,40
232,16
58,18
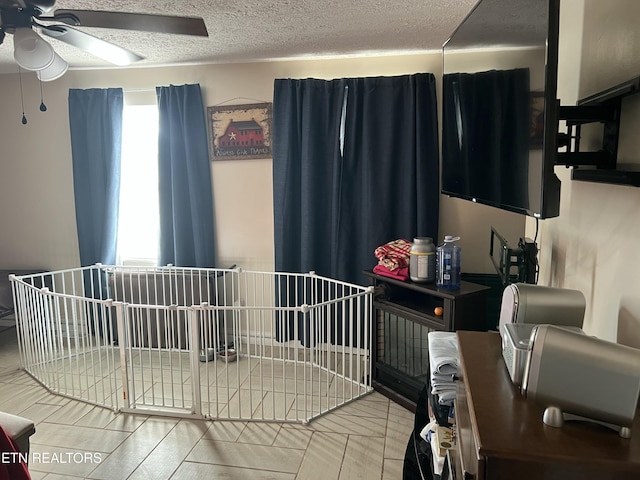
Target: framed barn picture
x,y
239,132
536,132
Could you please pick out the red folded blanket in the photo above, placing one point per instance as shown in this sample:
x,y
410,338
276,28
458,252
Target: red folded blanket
x,y
394,255
399,273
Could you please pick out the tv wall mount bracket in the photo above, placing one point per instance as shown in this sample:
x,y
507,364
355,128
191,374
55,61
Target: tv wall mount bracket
x,y
604,107
506,259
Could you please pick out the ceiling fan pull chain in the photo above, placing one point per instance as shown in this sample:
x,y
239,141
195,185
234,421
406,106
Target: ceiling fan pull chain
x,y
43,107
24,117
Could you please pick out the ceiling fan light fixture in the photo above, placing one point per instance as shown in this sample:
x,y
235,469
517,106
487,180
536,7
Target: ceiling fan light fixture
x,y
30,51
54,71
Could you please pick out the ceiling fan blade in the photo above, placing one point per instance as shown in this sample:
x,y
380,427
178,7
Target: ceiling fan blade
x,y
100,48
40,5
133,21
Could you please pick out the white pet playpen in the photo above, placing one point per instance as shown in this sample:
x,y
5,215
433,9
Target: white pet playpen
x,y
209,343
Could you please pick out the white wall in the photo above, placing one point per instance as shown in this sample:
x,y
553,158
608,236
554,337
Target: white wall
x,y
37,215
592,245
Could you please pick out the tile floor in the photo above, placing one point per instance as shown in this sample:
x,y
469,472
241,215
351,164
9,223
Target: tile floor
x,y
363,440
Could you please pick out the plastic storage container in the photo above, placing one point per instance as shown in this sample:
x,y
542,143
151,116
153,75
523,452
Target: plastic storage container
x,y
448,261
422,261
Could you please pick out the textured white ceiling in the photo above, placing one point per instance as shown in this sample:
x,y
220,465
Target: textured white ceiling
x,y
256,30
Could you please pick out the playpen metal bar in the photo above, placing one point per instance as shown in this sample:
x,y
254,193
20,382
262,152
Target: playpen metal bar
x,y
214,343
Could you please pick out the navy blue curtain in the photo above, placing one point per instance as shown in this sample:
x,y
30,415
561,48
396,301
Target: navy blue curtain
x,y
184,176
355,165
95,121
390,176
306,172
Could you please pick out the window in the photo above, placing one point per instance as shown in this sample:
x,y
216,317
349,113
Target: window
x,y
138,221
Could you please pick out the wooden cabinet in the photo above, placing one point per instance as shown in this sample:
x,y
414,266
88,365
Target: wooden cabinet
x,y
405,312
500,434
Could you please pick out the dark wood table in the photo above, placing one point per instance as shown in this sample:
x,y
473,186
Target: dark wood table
x,y
501,434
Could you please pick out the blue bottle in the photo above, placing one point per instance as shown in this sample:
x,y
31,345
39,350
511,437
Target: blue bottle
x,y
448,261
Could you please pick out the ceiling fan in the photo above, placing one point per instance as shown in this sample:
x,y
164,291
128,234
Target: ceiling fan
x,y
25,19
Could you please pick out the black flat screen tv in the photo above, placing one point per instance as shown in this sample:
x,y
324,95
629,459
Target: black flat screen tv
x,y
500,111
